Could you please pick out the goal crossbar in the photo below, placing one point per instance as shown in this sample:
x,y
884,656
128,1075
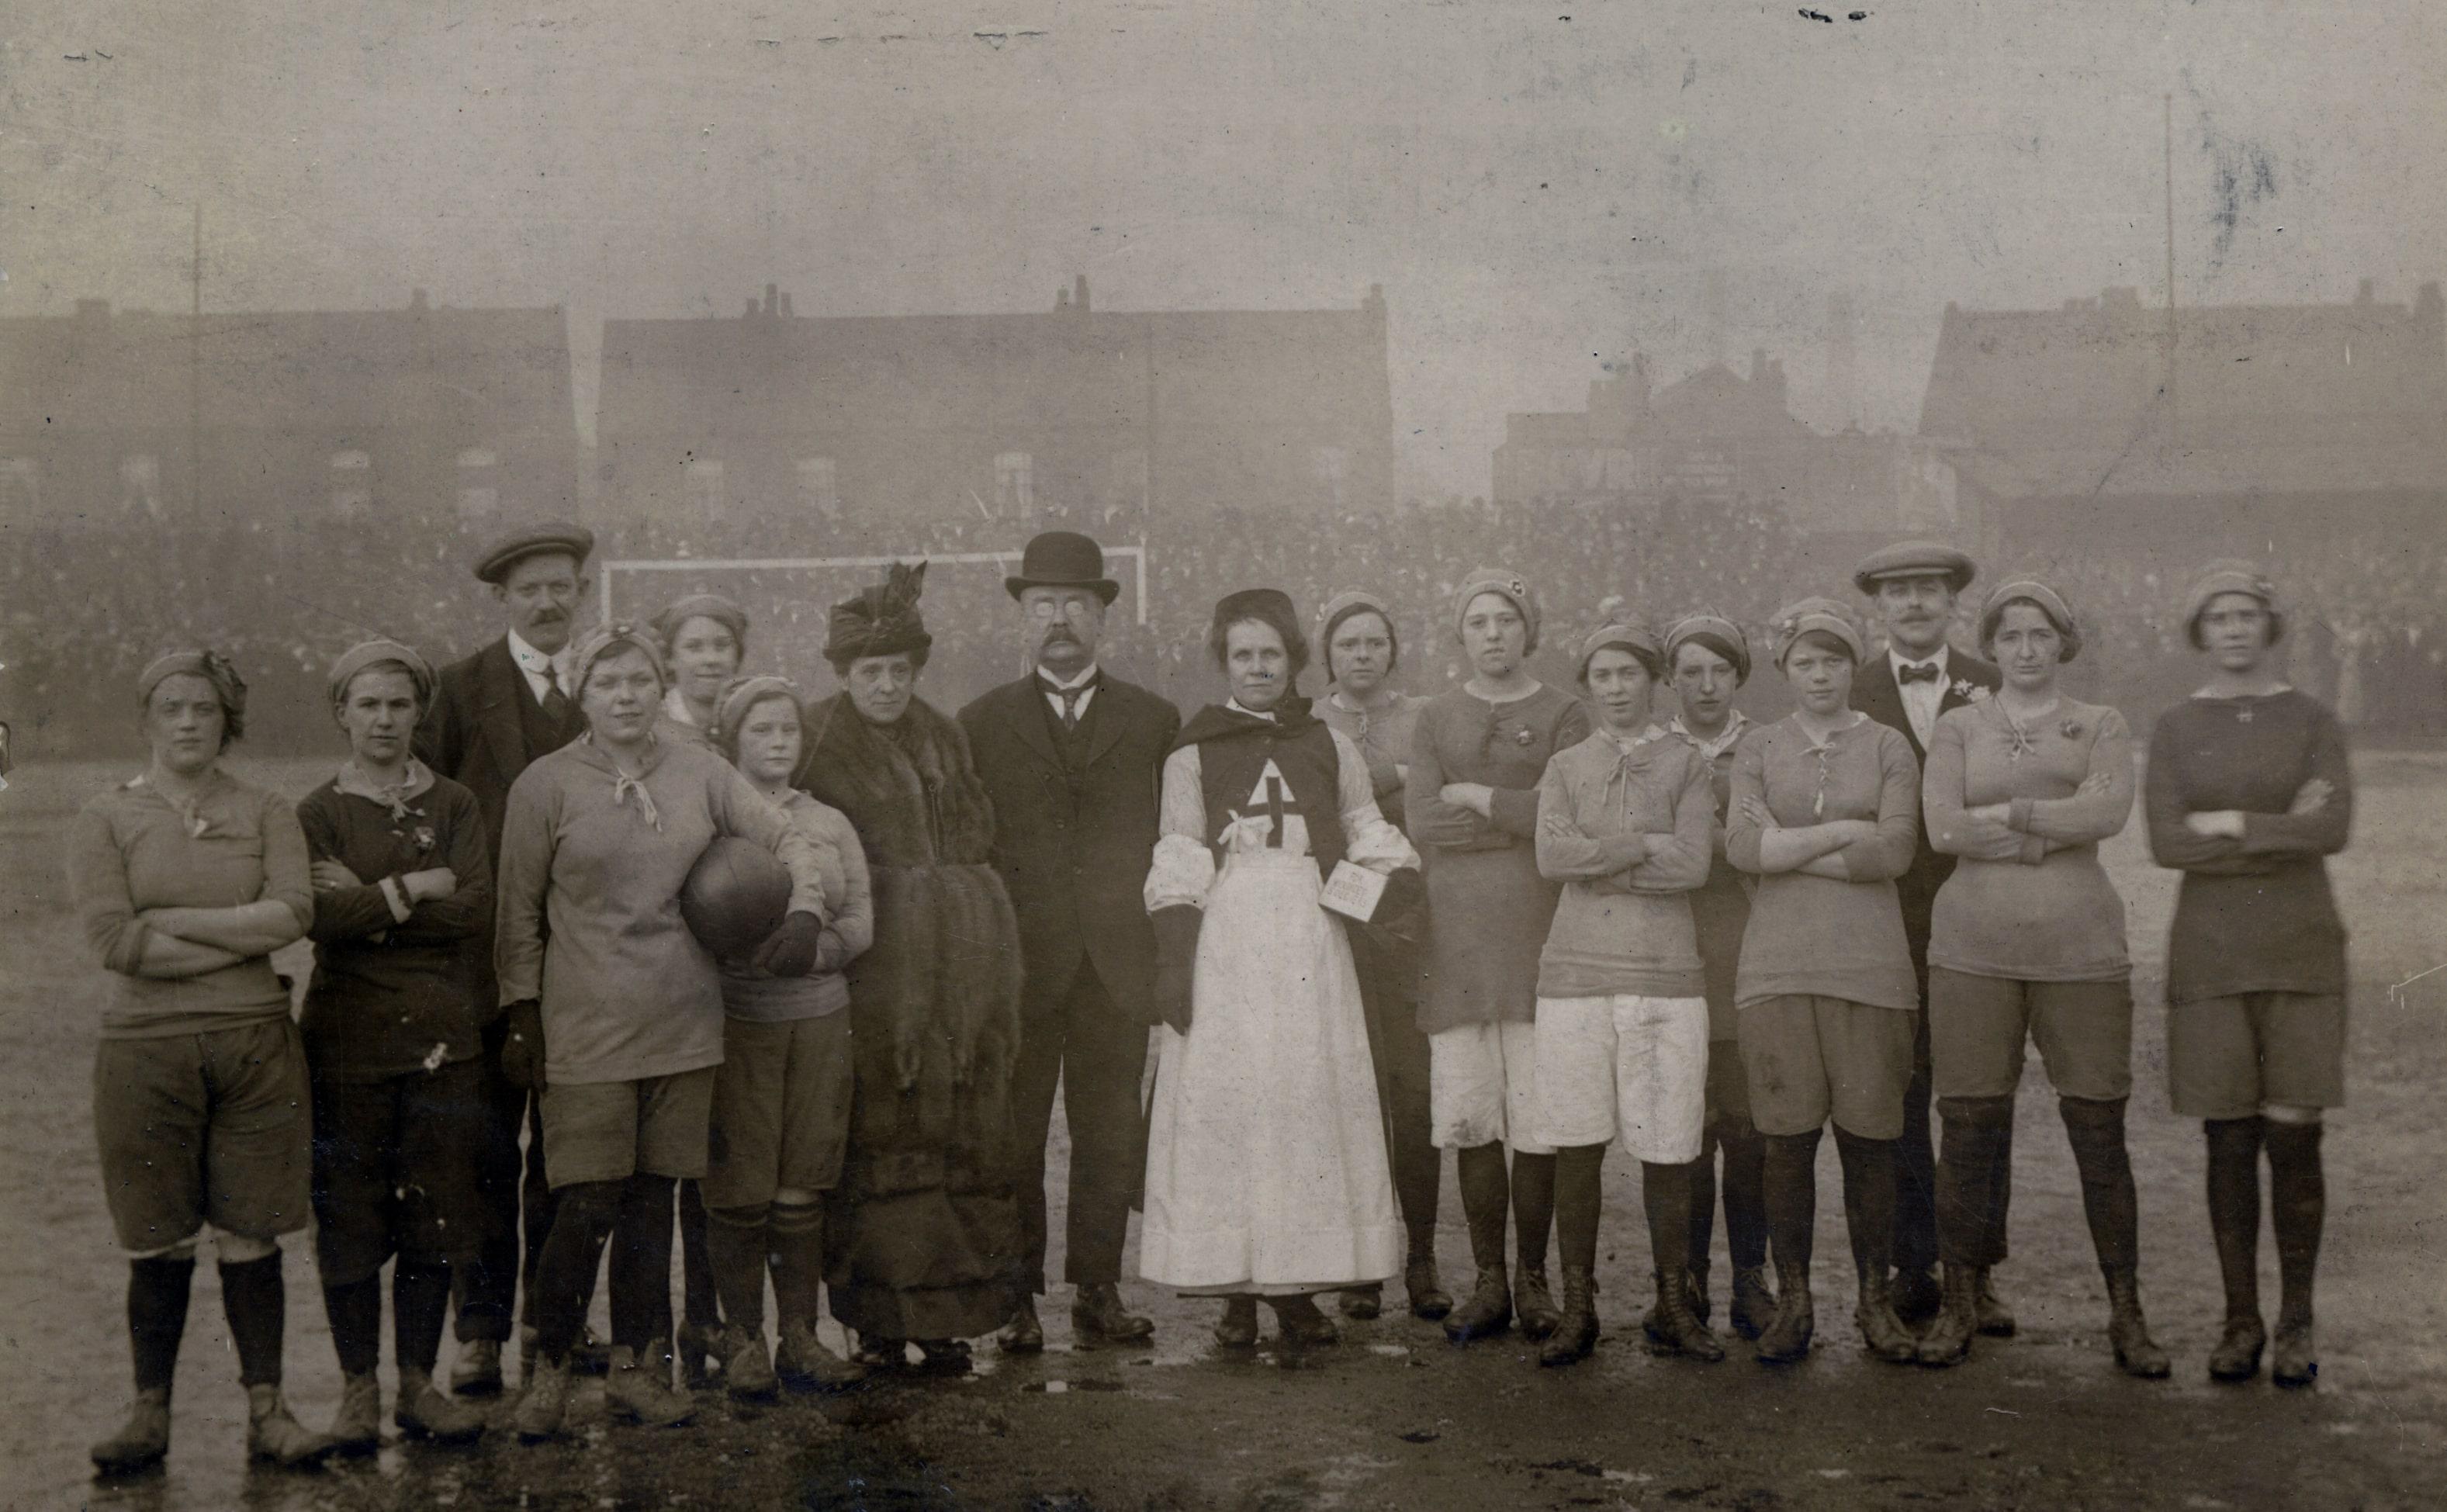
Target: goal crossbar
x,y
605,570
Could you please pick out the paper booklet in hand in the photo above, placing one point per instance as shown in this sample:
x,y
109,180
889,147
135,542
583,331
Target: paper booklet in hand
x,y
1353,891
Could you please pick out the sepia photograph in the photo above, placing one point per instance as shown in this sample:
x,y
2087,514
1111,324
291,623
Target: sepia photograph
x,y
1095,755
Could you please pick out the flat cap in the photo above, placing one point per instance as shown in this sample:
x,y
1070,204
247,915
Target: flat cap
x,y
547,536
1914,558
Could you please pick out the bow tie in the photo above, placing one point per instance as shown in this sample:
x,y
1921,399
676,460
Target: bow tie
x,y
1910,673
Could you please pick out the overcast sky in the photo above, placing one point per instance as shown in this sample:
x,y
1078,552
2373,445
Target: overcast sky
x,y
1540,188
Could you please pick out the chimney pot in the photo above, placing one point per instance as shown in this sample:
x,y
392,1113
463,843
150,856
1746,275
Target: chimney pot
x,y
1079,291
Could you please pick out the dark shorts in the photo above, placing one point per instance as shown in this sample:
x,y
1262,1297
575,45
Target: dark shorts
x,y
1728,1085
1978,1025
1811,1058
781,1109
609,1131
202,1128
395,1170
2230,1057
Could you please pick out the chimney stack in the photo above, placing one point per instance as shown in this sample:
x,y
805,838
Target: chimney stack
x,y
2368,291
772,300
416,299
1079,291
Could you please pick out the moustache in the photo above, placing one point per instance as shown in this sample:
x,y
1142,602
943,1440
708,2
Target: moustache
x,y
1060,636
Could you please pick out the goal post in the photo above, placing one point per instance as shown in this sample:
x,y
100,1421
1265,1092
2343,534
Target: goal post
x,y
607,568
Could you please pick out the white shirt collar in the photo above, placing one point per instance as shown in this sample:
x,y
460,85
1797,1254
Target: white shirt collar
x,y
1736,723
1896,659
1053,684
534,662
1236,706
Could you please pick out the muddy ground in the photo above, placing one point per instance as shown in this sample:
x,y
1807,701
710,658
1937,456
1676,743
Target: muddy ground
x,y
1393,1417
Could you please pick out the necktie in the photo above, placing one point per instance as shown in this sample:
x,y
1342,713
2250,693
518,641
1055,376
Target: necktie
x,y
1916,673
1071,697
556,703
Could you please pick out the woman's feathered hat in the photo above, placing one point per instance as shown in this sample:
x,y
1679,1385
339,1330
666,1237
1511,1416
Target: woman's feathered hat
x,y
882,620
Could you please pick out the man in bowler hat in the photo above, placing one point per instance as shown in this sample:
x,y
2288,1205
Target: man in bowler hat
x,y
1912,586
1073,759
492,714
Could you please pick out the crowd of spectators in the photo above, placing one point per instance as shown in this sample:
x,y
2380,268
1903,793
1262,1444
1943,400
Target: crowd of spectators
x,y
85,608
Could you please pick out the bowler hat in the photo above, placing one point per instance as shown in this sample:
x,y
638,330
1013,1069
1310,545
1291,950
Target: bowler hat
x,y
1063,558
550,536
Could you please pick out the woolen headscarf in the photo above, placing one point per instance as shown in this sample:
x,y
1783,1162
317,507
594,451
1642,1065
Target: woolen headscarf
x,y
608,640
1513,586
213,668
1268,606
721,610
1803,615
1625,635
2231,575
1342,607
2049,602
740,699
882,620
1717,634
366,653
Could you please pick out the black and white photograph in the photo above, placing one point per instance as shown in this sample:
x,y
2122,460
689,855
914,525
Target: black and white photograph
x,y
1141,755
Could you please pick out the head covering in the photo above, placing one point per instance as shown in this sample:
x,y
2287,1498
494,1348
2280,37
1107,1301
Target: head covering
x,y
549,536
213,668
1801,616
2030,591
882,620
2231,575
1342,607
609,640
1268,606
1914,558
1513,586
741,698
366,653
723,612
1625,634
1063,558
1717,634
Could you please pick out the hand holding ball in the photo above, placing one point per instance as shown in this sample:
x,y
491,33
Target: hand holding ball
x,y
735,897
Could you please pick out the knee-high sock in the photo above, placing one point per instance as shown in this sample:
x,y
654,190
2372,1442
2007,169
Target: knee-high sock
x,y
698,1285
1701,1231
735,1239
1665,1191
794,1235
1868,1199
1579,1194
1791,1186
582,1218
420,1298
1745,1150
2298,1207
2095,1128
354,1309
257,1305
642,1262
2234,1207
1533,1207
1975,1133
158,1288
1485,1201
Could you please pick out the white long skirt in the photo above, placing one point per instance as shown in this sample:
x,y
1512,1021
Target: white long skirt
x,y
1265,1149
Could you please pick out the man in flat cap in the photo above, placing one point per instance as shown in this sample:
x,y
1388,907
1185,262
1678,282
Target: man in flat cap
x,y
492,714
1912,586
1073,759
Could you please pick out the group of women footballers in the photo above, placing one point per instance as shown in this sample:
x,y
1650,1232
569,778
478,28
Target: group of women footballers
x,y
1599,923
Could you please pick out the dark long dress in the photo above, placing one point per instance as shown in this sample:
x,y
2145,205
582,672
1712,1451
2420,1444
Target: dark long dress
x,y
920,1234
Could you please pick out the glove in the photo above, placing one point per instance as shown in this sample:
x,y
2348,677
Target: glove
x,y
791,950
1402,909
522,1047
1176,959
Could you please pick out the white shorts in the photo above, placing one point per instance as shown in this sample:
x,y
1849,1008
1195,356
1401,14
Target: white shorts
x,y
1627,1067
1482,1087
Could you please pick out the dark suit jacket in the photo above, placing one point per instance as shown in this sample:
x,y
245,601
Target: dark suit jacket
x,y
1074,858
476,735
1876,694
